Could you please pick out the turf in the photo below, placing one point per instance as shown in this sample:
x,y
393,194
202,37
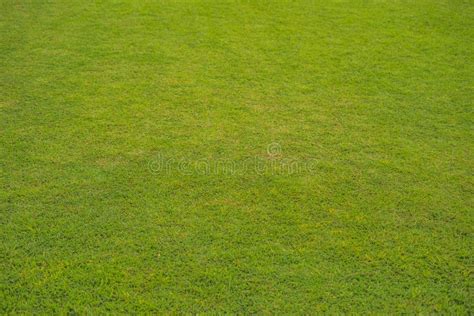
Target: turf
x,y
370,101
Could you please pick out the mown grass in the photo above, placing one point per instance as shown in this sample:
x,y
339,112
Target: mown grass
x,y
376,94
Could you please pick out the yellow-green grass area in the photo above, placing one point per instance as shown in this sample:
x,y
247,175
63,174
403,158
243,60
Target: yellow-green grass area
x,y
224,156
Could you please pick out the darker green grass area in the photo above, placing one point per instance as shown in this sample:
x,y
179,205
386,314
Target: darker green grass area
x,y
236,156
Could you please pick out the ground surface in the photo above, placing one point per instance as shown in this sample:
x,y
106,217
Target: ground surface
x,y
376,96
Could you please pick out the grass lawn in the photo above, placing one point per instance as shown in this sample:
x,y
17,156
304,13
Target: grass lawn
x,y
236,156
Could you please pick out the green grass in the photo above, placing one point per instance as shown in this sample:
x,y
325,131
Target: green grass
x,y
376,94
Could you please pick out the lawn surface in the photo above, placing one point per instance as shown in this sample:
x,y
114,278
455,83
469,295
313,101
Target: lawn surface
x,y
375,96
